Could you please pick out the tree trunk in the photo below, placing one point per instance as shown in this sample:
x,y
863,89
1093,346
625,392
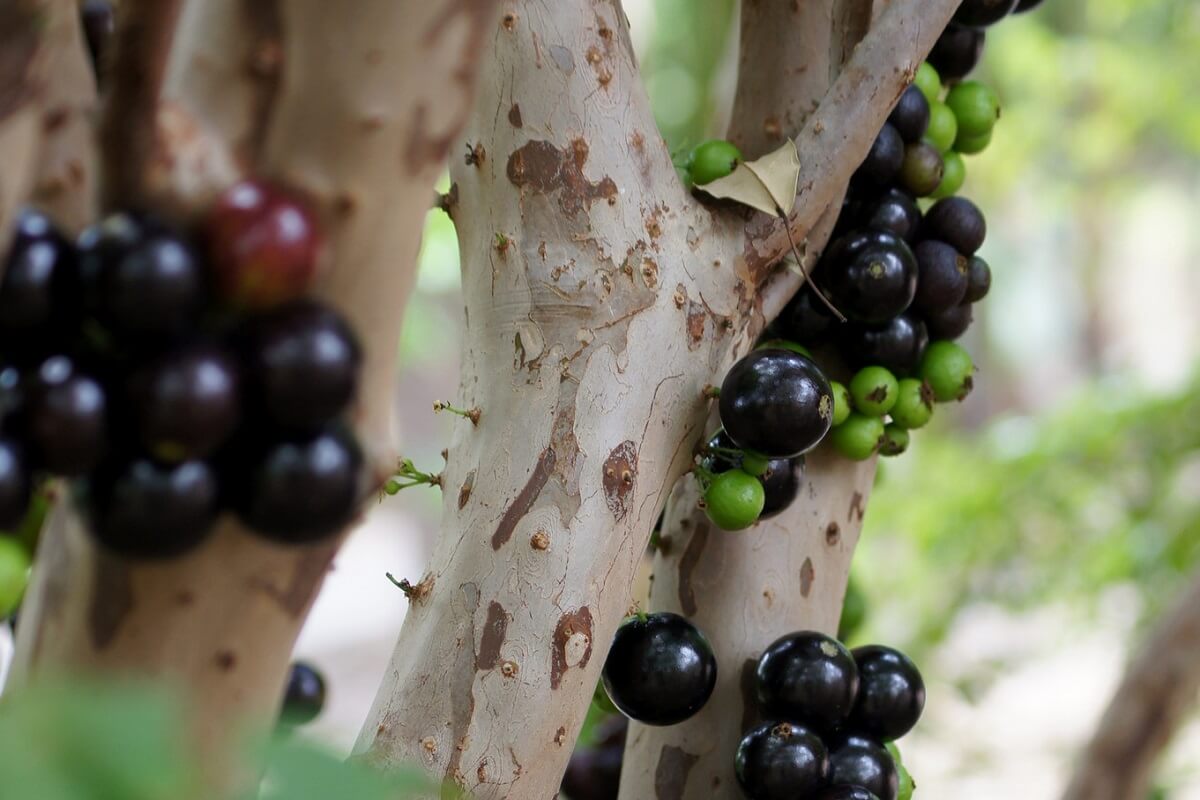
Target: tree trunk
x,y
600,300
358,111
1149,706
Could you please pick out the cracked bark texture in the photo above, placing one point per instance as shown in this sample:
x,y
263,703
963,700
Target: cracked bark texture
x,y
1152,702
600,300
358,111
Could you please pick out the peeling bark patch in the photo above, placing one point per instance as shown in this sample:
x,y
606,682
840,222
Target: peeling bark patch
x,y
833,534
494,630
514,116
545,169
696,315
524,500
112,599
857,509
620,470
20,27
572,646
807,575
750,714
687,565
464,491
461,691
671,774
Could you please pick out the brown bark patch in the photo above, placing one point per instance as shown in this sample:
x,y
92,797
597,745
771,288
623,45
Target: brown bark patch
x,y
461,690
857,507
671,774
494,630
572,644
545,169
464,491
525,499
20,27
514,116
696,315
226,660
807,575
833,534
687,565
620,471
112,599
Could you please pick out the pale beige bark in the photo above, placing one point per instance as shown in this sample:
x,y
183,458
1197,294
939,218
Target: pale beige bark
x,y
357,110
1152,702
600,300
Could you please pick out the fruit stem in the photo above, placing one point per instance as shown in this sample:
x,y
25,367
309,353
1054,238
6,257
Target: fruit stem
x,y
471,414
712,392
804,271
704,476
408,475
404,585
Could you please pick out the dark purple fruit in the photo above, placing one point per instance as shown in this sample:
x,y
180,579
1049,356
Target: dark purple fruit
x,y
185,403
895,211
66,418
12,395
949,323
594,773
1026,5
956,221
807,677
781,484
859,761
846,792
776,402
304,696
942,277
15,484
979,279
660,670
781,761
982,13
145,510
957,51
884,159
805,319
40,287
897,345
870,276
301,490
303,364
97,18
891,693
922,170
910,117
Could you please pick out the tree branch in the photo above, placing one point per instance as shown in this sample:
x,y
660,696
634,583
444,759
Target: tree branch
x,y
1151,703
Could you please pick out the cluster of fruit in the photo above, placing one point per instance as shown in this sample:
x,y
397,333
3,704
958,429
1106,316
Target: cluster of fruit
x,y
173,380
829,717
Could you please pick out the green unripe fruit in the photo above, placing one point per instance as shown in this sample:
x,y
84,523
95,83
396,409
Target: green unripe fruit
x,y
971,145
914,404
857,437
784,344
954,174
894,752
842,404
874,390
734,500
754,463
976,106
928,81
713,159
943,127
14,574
905,786
895,440
948,370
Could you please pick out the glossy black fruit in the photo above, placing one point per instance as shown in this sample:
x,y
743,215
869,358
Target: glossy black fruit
x,y
895,211
12,394
949,323
66,418
805,319
981,13
884,159
859,761
660,670
146,510
846,792
979,279
958,222
781,484
891,693
870,276
185,404
781,761
897,345
957,51
807,677
922,170
776,402
910,117
40,289
300,490
303,363
15,484
941,276
594,773
97,18
304,696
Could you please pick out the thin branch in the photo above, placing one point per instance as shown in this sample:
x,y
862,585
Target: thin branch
x,y
1151,703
